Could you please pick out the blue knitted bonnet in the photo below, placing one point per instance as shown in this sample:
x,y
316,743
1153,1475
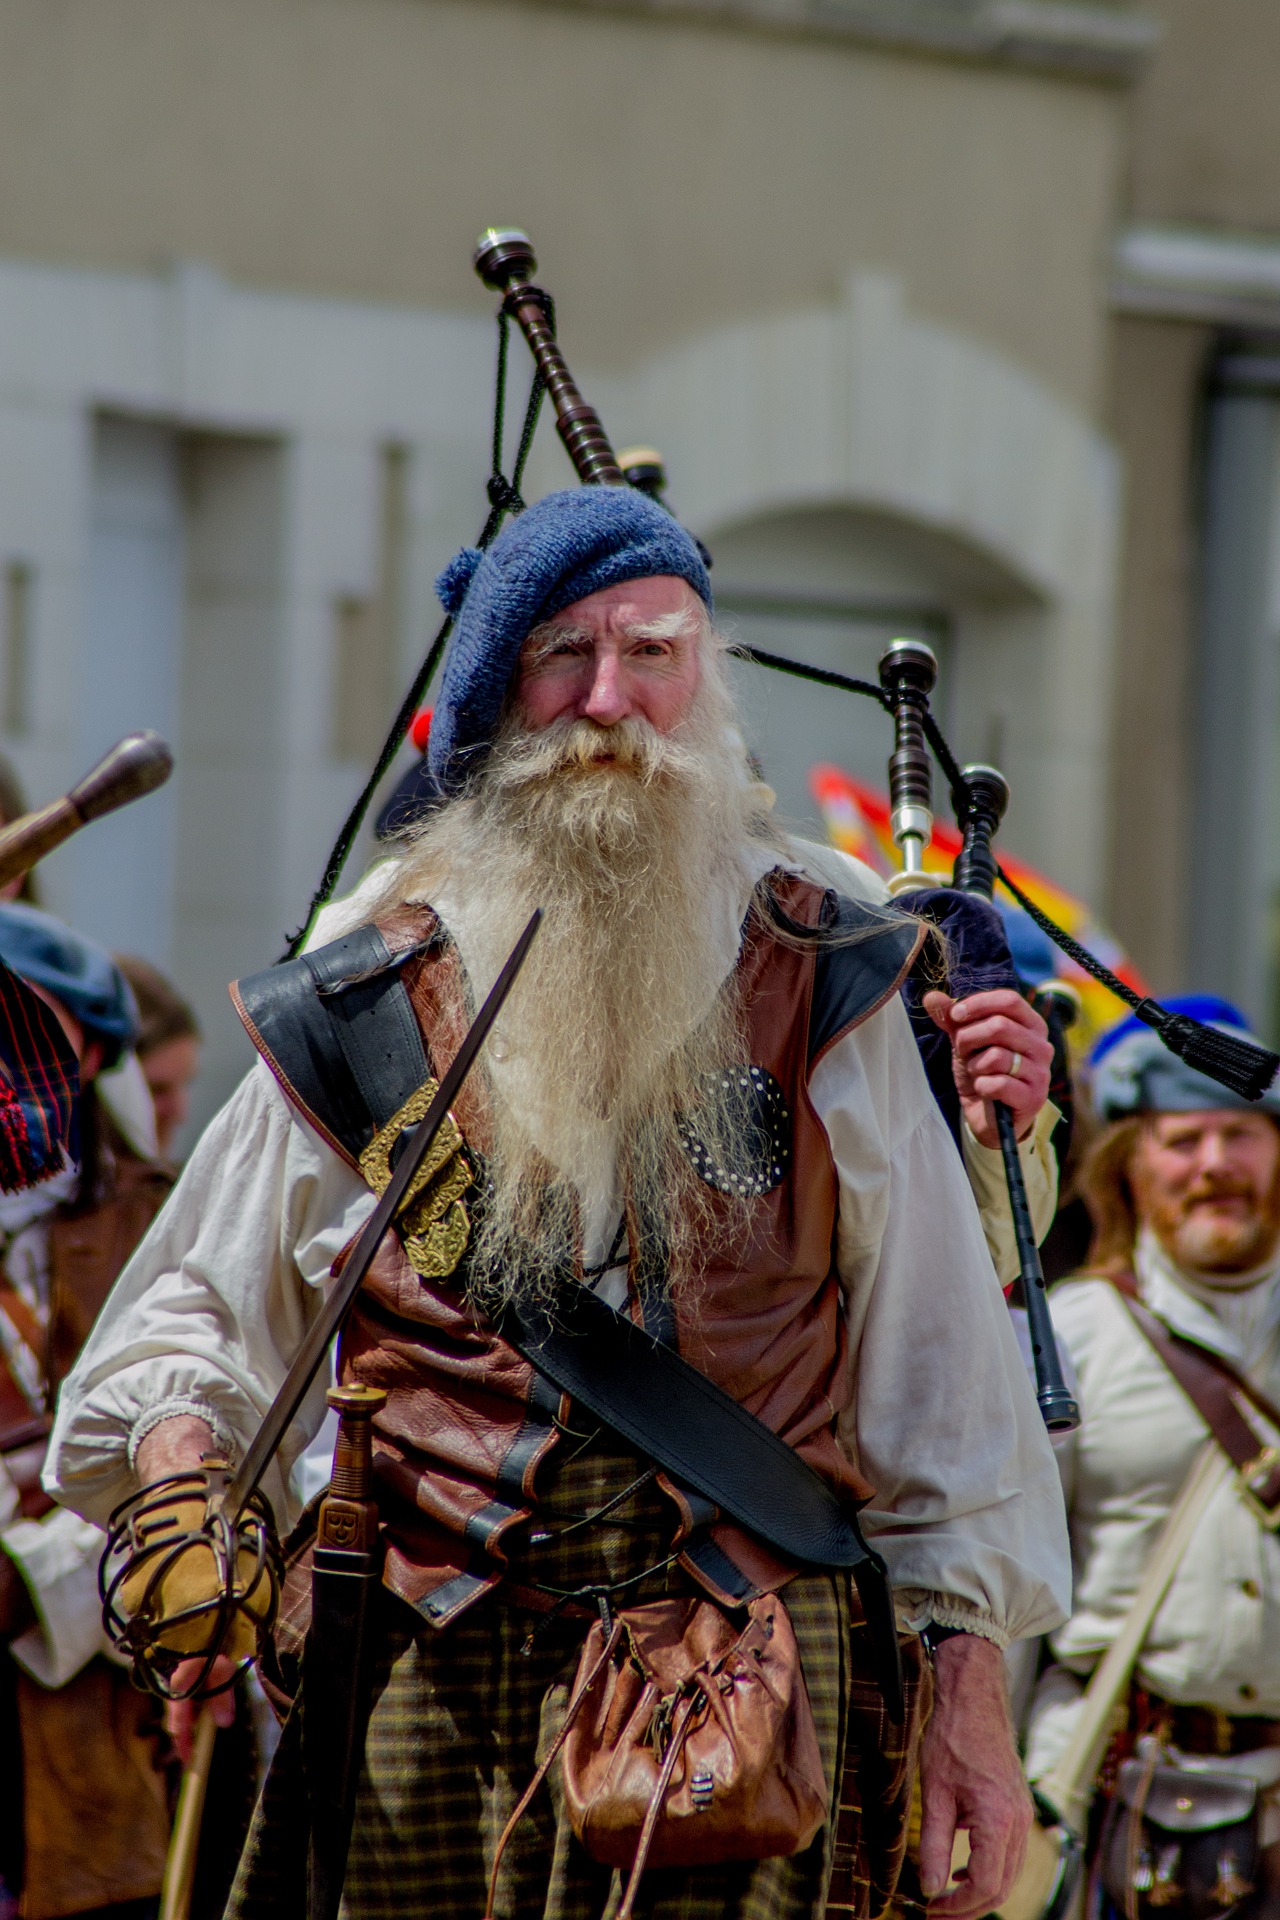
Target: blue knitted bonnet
x,y
559,550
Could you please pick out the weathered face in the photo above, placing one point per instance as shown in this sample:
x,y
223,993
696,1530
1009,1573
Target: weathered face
x,y
627,652
1206,1184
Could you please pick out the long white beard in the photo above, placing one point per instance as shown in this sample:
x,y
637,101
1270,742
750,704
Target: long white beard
x,y
622,1020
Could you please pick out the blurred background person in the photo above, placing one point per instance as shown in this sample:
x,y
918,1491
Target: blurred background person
x,y
1172,1327
88,1829
167,1047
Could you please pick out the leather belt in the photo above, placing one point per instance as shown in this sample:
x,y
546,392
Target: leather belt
x,y
1205,1730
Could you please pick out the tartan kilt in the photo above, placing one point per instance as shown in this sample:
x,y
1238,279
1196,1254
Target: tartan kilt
x,y
462,1716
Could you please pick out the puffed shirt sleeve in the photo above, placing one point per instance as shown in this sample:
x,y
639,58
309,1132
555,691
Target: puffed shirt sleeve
x,y
968,1510
213,1305
985,1168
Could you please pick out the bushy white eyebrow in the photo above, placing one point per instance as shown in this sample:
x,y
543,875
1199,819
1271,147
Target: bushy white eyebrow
x,y
681,625
684,624
551,634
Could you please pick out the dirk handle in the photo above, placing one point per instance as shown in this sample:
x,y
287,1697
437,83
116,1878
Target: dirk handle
x,y
348,1516
981,807
505,260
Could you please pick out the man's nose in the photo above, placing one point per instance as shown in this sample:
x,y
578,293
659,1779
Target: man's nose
x,y
1214,1154
607,701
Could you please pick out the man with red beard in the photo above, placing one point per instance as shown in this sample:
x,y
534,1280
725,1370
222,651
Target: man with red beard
x,y
702,1102
1183,1187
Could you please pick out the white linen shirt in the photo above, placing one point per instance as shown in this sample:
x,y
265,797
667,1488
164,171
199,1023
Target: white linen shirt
x,y
968,1510
1215,1640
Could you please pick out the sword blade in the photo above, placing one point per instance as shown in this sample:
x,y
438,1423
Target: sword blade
x,y
329,1320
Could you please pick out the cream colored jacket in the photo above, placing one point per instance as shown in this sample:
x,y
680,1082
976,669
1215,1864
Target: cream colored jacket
x,y
1216,1639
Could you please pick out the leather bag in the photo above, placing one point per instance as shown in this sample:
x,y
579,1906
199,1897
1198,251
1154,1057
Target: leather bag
x,y
1179,1843
688,1741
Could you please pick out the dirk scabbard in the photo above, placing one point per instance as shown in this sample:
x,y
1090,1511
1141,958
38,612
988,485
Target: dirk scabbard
x,y
345,1574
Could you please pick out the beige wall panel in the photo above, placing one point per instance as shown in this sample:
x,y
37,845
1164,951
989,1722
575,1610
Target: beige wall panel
x,y
674,176
1207,116
1157,370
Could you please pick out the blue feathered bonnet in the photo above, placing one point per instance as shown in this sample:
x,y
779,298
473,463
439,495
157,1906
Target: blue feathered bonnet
x,y
559,550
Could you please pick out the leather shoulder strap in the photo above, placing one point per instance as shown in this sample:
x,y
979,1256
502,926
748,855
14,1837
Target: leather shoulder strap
x,y
1211,1384
337,1029
853,981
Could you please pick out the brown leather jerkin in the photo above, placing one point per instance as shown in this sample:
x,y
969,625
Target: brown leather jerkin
x,y
468,1424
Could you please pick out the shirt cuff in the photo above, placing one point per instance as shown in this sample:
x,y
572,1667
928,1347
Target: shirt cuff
x,y
985,1168
223,1438
58,1560
917,1608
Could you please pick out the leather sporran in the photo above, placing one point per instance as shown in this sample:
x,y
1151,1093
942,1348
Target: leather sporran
x,y
699,1732
688,1741
1179,1843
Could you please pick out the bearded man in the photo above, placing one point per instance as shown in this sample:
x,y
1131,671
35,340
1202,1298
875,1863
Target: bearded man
x,y
1183,1187
703,1101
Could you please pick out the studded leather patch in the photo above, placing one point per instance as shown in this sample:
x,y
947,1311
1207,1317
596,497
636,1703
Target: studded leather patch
x,y
766,1136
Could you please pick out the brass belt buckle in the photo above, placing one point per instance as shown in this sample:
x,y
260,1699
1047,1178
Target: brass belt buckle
x,y
1254,1475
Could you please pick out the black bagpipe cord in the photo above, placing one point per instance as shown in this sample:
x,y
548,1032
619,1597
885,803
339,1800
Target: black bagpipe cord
x,y
504,498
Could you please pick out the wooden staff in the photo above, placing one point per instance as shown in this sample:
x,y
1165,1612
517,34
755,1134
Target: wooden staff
x,y
184,1844
138,764
505,260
